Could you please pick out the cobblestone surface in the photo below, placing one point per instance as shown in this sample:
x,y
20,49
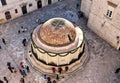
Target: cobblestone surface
x,y
103,58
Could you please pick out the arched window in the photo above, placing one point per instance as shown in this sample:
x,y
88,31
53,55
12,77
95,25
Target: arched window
x,y
39,4
7,15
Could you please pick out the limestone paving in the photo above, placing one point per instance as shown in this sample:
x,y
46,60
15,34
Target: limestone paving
x,y
103,62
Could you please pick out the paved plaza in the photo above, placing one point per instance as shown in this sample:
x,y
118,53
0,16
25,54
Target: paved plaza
x,y
100,68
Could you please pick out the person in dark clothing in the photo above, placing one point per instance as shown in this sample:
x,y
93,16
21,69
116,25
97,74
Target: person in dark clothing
x,y
24,73
1,81
45,76
5,79
22,80
57,77
54,81
66,68
48,78
117,70
21,27
60,70
77,5
24,42
80,14
10,68
18,31
14,70
8,64
0,47
28,69
49,82
3,40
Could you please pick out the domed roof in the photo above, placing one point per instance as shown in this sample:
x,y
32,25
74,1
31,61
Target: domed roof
x,y
57,32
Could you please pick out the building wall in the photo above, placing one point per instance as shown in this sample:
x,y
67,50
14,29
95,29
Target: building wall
x,y
85,7
106,27
18,4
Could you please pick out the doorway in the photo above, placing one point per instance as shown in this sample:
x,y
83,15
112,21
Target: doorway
x,y
24,9
49,1
39,4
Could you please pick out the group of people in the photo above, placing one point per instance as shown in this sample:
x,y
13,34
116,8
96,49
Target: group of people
x,y
23,70
48,78
12,69
59,69
22,29
5,79
57,76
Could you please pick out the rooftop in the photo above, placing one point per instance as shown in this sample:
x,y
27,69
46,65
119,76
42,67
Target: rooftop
x,y
57,32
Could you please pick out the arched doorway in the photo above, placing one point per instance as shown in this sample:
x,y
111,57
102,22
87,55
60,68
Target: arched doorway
x,y
24,9
7,15
39,4
49,1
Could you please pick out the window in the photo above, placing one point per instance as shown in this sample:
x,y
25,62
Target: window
x,y
3,2
110,10
109,13
30,4
7,15
16,11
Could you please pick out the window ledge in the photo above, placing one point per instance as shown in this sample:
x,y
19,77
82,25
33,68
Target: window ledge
x,y
110,18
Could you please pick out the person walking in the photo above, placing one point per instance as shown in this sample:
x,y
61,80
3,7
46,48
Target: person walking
x,y
10,68
20,71
5,79
53,69
60,70
54,81
57,77
21,65
8,64
18,31
24,42
3,40
0,47
27,68
45,76
117,70
66,68
14,70
23,73
49,80
22,80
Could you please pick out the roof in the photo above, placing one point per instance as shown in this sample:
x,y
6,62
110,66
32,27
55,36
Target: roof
x,y
57,32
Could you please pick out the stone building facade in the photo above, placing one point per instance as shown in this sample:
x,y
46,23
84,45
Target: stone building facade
x,y
104,19
85,7
10,9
